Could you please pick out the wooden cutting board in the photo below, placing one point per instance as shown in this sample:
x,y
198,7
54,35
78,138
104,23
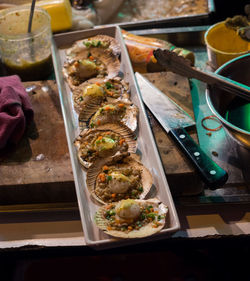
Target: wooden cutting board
x,y
181,176
39,168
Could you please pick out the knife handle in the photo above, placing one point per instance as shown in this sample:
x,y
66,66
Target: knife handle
x,y
212,174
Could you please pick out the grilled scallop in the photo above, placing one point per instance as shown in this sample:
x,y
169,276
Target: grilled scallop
x,y
108,140
86,60
121,112
89,96
111,180
132,218
104,42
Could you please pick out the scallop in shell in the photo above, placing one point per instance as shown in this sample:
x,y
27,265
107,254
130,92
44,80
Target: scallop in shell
x,y
78,50
121,112
108,140
89,63
111,180
91,94
132,218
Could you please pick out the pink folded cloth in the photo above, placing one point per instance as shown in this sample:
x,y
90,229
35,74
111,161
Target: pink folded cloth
x,y
15,110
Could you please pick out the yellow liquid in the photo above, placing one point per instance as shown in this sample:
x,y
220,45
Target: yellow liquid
x,y
30,71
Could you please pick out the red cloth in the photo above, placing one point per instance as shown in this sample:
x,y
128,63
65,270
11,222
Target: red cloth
x,y
15,110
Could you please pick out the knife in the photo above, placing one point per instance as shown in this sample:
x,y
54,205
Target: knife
x,y
174,119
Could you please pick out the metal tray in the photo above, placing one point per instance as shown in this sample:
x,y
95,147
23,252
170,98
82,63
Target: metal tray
x,y
174,21
146,144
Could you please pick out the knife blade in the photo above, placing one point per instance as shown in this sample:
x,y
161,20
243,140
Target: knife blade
x,y
174,120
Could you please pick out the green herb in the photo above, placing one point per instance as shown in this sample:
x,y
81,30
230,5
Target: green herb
x,y
111,212
149,208
140,189
90,152
134,192
109,85
109,178
95,43
151,215
92,125
142,216
159,218
108,216
81,98
87,43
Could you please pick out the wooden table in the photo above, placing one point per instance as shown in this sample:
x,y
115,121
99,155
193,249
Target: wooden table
x,y
39,171
38,202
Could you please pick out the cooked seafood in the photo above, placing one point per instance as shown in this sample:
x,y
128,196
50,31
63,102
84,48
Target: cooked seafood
x,y
78,50
132,218
91,94
106,141
89,63
122,112
110,181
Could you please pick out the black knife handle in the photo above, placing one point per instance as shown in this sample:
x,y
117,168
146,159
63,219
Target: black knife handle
x,y
212,174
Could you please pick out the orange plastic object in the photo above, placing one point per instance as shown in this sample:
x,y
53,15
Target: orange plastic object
x,y
140,49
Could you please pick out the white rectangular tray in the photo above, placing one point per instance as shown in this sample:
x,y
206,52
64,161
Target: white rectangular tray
x,y
146,144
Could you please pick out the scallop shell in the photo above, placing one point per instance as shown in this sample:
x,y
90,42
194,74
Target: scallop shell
x,y
107,59
147,230
123,131
89,105
78,50
119,162
128,119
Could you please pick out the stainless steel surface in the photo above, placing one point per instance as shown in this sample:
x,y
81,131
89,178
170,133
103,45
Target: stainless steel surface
x,y
218,101
146,145
168,113
182,20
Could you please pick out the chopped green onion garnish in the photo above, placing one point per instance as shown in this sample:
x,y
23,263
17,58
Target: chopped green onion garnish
x,y
109,178
151,215
109,85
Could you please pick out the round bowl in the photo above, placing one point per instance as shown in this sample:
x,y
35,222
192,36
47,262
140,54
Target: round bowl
x,y
223,44
231,110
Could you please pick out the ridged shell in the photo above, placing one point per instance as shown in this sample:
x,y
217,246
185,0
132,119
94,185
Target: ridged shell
x,y
118,162
129,118
89,105
79,48
123,131
108,61
144,231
